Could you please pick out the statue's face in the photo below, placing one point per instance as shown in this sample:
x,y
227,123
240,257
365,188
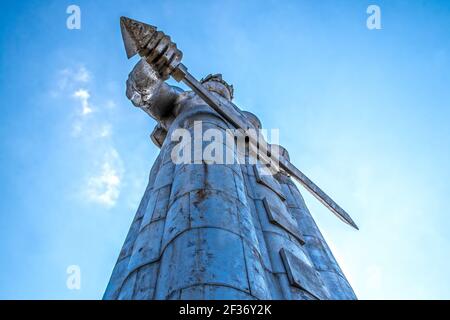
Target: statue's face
x,y
219,88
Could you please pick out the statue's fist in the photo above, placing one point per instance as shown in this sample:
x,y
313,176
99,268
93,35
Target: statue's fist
x,y
142,81
163,54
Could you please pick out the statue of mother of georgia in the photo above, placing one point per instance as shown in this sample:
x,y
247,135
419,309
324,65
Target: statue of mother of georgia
x,y
216,231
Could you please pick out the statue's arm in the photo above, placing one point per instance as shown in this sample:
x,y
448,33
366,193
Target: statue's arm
x,y
147,90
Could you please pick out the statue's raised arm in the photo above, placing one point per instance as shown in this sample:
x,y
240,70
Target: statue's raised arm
x,y
147,90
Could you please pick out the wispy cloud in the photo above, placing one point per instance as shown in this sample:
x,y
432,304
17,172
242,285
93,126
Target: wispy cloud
x,y
90,125
83,95
104,188
68,77
82,74
105,130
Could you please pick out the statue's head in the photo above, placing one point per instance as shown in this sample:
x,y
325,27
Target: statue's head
x,y
215,83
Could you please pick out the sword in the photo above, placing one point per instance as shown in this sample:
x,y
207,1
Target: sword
x,y
137,35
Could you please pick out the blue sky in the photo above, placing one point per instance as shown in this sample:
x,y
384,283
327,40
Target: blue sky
x,y
364,113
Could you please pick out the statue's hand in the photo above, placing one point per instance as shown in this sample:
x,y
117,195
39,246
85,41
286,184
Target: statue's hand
x,y
148,91
142,83
164,55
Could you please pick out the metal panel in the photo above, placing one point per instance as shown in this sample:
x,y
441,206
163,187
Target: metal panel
x,y
280,216
302,275
264,177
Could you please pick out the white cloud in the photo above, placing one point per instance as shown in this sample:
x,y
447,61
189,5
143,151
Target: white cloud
x,y
104,188
83,95
102,182
82,75
68,78
105,130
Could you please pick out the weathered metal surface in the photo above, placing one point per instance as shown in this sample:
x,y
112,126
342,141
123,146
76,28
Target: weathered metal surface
x,y
280,216
202,256
264,177
320,255
303,275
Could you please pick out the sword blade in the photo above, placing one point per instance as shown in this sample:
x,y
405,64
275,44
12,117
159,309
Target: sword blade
x,y
317,192
287,166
